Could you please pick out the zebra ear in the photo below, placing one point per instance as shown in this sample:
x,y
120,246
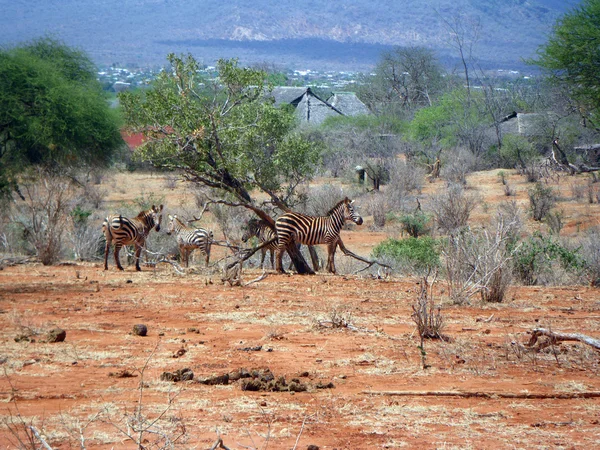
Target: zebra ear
x,y
160,208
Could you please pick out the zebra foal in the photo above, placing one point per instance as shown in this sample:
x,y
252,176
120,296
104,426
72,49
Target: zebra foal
x,y
189,239
264,233
310,230
120,231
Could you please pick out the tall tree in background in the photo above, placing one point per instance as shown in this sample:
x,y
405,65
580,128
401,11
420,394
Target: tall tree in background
x,y
406,78
225,134
572,58
53,113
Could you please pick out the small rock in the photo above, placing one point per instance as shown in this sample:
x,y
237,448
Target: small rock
x,y
179,375
216,380
312,447
140,329
56,335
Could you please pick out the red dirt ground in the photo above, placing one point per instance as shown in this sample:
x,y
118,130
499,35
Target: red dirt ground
x,y
69,392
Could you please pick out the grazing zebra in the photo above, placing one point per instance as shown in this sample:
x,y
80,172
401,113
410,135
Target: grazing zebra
x,y
120,231
309,230
261,230
189,239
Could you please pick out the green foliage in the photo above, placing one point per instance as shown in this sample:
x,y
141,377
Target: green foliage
x,y
517,151
227,135
571,55
53,111
80,215
536,256
420,255
455,119
415,224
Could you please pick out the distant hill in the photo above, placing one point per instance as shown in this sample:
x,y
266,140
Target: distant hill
x,y
296,34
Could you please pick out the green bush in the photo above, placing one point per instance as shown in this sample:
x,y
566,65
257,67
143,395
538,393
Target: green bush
x,y
538,256
415,224
417,255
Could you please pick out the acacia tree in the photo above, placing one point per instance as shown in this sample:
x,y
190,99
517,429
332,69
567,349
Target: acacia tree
x,y
225,134
53,112
571,58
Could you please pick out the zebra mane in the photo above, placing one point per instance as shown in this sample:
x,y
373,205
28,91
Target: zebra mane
x,y
143,214
337,205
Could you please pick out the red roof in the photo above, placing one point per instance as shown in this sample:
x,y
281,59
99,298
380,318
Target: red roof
x,y
133,140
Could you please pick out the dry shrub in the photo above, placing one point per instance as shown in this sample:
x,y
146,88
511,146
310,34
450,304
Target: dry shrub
x,y
377,207
406,181
457,165
426,315
479,261
590,252
541,200
453,207
43,214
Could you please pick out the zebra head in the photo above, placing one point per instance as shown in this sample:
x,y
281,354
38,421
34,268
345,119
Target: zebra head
x,y
350,213
156,215
251,230
171,226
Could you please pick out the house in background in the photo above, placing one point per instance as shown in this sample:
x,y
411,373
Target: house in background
x,y
312,109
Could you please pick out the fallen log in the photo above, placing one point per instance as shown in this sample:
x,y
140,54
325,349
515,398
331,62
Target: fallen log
x,y
555,337
488,395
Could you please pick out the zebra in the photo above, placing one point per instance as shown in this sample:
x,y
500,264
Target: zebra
x,y
310,230
120,231
261,230
189,239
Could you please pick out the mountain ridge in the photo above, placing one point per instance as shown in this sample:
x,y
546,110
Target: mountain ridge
x,y
144,31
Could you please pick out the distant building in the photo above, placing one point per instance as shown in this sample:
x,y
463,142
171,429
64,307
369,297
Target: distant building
x,y
349,104
313,110
525,124
120,86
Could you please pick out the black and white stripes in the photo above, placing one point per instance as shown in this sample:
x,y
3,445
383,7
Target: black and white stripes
x,y
120,231
310,230
189,239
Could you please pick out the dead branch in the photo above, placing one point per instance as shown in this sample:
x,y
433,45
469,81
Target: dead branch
x,y
246,253
360,258
555,337
39,438
488,395
197,219
219,444
256,280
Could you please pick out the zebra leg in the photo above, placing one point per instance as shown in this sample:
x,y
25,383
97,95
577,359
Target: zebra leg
x,y
117,262
263,253
272,254
138,251
106,250
181,255
331,248
279,257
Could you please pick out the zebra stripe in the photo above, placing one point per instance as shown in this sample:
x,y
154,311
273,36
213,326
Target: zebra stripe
x,y
310,230
264,233
189,239
120,231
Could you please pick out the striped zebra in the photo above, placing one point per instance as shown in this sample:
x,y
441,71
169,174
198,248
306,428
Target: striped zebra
x,y
121,231
310,230
190,239
264,233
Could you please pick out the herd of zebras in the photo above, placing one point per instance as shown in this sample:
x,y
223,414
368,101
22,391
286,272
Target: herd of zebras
x,y
290,228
